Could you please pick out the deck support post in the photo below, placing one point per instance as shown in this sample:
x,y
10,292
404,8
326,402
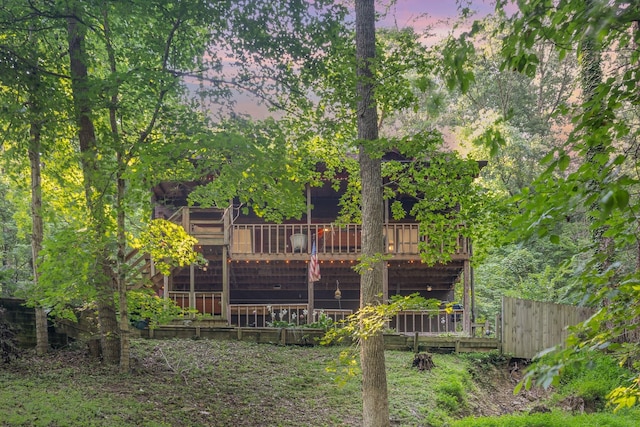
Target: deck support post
x,y
165,286
385,281
310,300
466,298
186,220
310,286
192,286
225,286
309,236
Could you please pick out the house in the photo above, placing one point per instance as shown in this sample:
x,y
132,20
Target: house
x,y
258,272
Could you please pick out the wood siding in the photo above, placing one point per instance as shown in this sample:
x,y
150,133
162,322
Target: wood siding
x,y
528,327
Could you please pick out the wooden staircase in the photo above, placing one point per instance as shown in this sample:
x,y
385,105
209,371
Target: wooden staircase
x,y
209,226
141,271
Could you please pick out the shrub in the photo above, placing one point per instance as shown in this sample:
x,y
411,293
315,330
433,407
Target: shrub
x,y
592,381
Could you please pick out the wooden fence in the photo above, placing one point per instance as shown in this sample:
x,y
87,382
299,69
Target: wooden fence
x,y
529,327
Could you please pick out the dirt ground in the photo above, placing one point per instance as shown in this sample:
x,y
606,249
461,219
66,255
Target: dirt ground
x,y
497,397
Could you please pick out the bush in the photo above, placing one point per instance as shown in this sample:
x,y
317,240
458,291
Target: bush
x,y
592,381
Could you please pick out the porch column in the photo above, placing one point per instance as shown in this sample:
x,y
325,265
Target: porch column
x,y
466,298
192,286
310,299
309,237
165,286
385,281
310,286
186,220
225,285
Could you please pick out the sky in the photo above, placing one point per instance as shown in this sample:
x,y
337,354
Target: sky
x,y
435,15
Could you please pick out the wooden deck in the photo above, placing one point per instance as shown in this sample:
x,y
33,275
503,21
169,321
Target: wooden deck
x,y
304,336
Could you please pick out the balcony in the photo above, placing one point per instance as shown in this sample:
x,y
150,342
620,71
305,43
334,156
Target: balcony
x,y
290,239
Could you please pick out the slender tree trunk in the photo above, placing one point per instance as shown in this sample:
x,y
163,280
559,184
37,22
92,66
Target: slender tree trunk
x,y
375,404
633,335
125,346
591,78
121,282
42,335
37,228
103,276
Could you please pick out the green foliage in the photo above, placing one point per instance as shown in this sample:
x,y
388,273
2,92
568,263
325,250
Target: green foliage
x,y
371,320
415,302
368,321
205,382
538,270
259,164
147,307
451,396
551,419
592,380
169,246
128,83
446,201
368,262
323,322
67,258
625,396
15,251
581,370
573,192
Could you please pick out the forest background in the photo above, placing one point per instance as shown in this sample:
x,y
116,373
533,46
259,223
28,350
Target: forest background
x,y
102,100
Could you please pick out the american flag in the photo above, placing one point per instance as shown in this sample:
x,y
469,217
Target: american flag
x,y
314,267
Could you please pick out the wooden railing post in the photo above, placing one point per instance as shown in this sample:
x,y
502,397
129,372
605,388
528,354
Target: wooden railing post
x,y
225,286
466,298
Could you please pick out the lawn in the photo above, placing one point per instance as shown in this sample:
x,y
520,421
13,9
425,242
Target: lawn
x,y
229,383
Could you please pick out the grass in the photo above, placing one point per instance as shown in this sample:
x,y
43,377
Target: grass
x,y
554,419
223,383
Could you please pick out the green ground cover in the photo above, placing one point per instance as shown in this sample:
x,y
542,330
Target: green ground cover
x,y
229,383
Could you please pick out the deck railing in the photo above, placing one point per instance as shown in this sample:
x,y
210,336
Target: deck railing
x,y
280,315
400,238
205,302
429,322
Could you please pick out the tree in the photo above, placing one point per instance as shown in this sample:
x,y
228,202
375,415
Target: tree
x,y
37,228
375,403
15,251
137,108
27,98
604,185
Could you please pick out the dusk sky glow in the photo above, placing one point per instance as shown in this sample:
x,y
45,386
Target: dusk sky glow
x,y
437,16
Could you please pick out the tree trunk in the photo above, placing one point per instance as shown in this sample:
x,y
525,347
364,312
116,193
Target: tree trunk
x,y
121,283
591,78
103,276
42,335
375,404
37,228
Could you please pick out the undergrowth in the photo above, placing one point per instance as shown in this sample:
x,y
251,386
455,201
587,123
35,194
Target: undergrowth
x,y
591,382
222,383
